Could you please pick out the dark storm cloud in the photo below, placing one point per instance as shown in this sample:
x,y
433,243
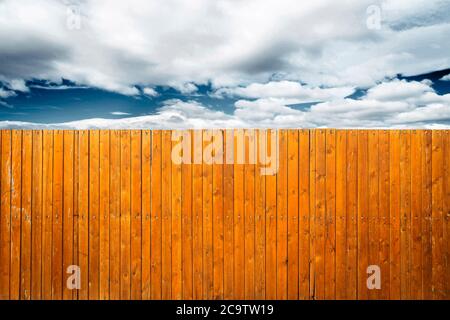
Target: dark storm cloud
x,y
29,57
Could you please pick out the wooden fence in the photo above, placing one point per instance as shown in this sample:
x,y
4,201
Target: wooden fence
x,y
141,226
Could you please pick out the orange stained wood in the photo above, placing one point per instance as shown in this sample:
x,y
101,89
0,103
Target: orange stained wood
x,y
217,222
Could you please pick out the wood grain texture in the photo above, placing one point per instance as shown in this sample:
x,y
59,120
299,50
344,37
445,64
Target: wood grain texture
x,y
219,222
104,215
16,213
146,161
5,217
50,250
69,208
136,215
293,214
36,207
114,222
187,217
58,178
25,256
125,214
156,218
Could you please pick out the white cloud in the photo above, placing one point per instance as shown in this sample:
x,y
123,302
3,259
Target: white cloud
x,y
399,90
285,89
123,44
57,87
446,78
119,113
150,92
175,114
6,93
18,85
185,88
429,113
393,104
270,55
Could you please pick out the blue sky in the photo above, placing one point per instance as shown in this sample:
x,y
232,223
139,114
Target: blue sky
x,y
190,64
43,104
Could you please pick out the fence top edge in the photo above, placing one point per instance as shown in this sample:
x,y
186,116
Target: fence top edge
x,y
228,129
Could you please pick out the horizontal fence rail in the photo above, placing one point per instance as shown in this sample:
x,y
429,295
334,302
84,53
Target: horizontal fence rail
x,y
225,214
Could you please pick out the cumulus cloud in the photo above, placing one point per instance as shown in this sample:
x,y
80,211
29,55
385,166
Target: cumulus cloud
x,y
269,56
285,89
446,78
413,105
394,103
185,88
117,45
174,114
399,90
150,92
18,85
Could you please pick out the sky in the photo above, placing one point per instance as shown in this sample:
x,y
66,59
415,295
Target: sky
x,y
224,64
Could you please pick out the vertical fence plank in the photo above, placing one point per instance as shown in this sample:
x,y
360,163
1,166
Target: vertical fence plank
x,y
146,213
197,214
320,213
384,200
16,204
166,238
438,276
304,213
282,216
405,212
186,213
330,216
58,179
363,210
104,214
446,212
36,223
239,231
395,214
416,214
83,214
351,275
125,214
312,217
341,218
271,222
427,214
176,224
25,265
76,180
207,216
293,214
47,222
114,223
156,213
136,215
249,213
5,215
68,210
260,214
373,213
94,212
218,249
228,207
